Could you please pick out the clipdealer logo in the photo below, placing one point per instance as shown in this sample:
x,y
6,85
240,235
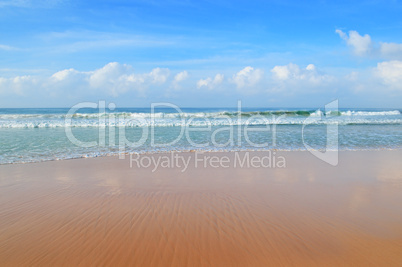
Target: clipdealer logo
x,y
114,124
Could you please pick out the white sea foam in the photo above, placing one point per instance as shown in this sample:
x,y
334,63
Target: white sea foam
x,y
192,123
370,113
221,114
31,145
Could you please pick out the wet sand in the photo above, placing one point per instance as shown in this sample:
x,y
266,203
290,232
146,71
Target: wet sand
x,y
93,212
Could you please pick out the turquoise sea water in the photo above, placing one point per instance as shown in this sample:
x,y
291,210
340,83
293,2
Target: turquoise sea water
x,y
32,135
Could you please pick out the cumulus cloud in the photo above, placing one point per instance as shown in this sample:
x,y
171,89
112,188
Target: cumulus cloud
x,y
158,75
364,46
66,80
390,72
210,83
361,44
292,78
247,77
294,72
63,75
111,75
18,85
112,79
181,76
115,78
21,82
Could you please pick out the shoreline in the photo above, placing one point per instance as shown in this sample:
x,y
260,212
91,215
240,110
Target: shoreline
x,y
199,151
99,211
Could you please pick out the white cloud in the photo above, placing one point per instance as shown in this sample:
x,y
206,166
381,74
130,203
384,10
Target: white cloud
x,y
63,75
219,78
364,46
22,82
210,83
390,73
109,74
291,79
181,76
284,72
158,75
310,67
67,80
18,85
247,77
361,44
391,49
116,78
294,72
112,79
178,79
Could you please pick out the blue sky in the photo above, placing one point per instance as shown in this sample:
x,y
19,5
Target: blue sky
x,y
201,53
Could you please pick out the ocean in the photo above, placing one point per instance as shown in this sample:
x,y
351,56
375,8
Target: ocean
x,y
42,134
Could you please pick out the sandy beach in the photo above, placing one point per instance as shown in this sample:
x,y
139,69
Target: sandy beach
x,y
102,212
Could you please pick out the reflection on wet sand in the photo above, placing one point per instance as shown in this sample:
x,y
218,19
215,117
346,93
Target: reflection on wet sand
x,y
101,212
